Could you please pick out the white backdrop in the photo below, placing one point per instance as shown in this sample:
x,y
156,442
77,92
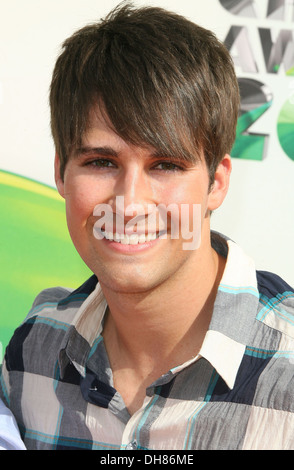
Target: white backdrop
x,y
259,210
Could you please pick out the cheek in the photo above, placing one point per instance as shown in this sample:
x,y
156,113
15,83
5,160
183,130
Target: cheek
x,y
191,201
172,194
80,198
77,208
186,194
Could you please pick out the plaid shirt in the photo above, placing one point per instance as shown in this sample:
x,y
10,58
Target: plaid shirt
x,y
238,393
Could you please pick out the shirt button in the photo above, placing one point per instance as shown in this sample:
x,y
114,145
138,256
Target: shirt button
x,y
132,445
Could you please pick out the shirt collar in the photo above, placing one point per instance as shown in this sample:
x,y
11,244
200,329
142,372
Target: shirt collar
x,y
85,328
233,316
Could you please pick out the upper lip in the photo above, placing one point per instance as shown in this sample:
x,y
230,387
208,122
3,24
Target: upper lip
x,y
133,232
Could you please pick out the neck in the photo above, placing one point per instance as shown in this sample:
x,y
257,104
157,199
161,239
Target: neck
x,y
147,334
169,321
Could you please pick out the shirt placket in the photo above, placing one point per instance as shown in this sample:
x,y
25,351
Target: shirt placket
x,y
134,435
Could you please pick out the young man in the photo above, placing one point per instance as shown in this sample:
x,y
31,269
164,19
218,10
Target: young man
x,y
180,344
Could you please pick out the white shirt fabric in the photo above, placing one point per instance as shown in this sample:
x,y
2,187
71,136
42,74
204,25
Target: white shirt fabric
x,y
9,434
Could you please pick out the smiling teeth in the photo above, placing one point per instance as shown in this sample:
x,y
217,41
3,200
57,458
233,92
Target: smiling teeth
x,y
132,239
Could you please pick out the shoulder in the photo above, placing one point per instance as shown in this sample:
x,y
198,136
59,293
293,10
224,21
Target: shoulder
x,y
43,333
269,356
46,300
272,285
62,296
276,302
56,300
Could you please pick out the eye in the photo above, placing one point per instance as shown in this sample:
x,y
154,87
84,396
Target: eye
x,y
101,163
168,166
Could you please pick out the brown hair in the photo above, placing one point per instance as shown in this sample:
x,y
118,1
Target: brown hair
x,y
162,80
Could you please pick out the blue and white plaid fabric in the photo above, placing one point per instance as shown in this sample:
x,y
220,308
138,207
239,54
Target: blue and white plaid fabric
x,y
238,393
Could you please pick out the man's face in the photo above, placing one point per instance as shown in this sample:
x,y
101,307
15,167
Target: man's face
x,y
130,211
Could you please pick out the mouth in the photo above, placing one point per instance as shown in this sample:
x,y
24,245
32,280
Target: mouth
x,y
132,238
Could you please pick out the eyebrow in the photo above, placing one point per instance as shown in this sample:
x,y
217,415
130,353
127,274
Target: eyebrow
x,y
107,151
92,151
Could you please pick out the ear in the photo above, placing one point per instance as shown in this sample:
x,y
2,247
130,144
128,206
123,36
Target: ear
x,y
58,179
221,183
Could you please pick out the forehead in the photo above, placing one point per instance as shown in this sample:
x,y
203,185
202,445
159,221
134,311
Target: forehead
x,y
101,131
98,119
99,126
101,134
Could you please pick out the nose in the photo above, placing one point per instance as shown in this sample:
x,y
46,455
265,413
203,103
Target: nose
x,y
133,185
133,192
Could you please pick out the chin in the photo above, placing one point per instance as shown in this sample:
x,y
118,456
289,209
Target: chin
x,y
127,284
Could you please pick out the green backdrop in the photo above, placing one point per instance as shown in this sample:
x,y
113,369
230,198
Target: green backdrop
x,y
36,251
